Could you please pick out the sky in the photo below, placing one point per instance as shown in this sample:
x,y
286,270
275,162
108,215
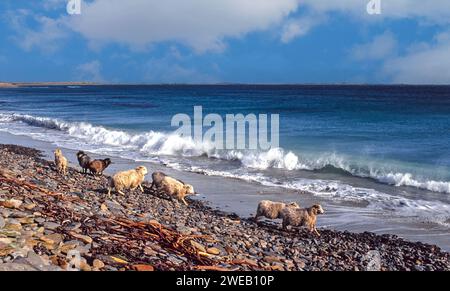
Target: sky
x,y
226,41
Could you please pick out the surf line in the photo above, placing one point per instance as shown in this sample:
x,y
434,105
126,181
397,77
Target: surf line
x,y
230,132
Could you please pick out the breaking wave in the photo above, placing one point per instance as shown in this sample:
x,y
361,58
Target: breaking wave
x,y
155,143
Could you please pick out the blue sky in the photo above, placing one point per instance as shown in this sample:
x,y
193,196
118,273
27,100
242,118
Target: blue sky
x,y
246,41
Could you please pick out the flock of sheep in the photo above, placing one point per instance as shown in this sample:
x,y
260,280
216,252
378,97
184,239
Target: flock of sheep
x,y
290,213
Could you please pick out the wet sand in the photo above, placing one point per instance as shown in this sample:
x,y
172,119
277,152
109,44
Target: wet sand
x,y
241,197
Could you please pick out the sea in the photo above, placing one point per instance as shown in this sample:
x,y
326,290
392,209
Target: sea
x,y
378,151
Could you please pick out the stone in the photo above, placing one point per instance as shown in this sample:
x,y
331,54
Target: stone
x,y
2,222
73,226
16,226
9,233
68,246
15,267
85,267
6,240
36,261
98,264
4,251
213,251
84,238
29,206
26,220
149,252
103,207
119,260
143,268
53,239
272,259
51,225
198,246
11,203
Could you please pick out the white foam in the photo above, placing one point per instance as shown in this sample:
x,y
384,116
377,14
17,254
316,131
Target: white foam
x,y
155,143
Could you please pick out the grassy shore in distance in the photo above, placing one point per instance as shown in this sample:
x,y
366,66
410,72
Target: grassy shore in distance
x,y
24,84
44,215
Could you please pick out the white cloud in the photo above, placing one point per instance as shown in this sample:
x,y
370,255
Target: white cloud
x,y
300,26
436,11
200,24
425,64
89,72
172,68
381,47
46,37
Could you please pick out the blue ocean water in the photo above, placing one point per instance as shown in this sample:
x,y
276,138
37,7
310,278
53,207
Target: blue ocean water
x,y
387,145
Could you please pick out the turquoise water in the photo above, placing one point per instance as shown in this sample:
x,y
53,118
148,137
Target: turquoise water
x,y
386,145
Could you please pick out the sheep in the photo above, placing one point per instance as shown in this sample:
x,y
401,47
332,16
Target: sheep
x,y
127,180
302,217
157,178
96,167
61,162
176,188
84,160
272,210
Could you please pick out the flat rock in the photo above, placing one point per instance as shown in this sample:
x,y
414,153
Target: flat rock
x,y
15,267
11,203
81,237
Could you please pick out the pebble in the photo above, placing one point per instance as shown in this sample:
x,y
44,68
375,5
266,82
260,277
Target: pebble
x,y
97,264
83,238
11,203
26,226
213,251
51,225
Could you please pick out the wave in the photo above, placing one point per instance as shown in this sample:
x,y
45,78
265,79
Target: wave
x,y
156,143
421,210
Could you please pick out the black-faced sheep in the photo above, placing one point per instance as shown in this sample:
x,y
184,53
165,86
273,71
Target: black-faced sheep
x,y
84,160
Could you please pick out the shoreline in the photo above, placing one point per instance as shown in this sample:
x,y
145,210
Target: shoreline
x,y
121,233
241,197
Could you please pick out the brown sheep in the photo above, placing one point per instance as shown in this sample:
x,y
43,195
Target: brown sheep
x,y
96,167
272,210
177,189
61,162
127,180
302,217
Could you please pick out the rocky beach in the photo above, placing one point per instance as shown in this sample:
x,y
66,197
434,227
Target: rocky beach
x,y
46,219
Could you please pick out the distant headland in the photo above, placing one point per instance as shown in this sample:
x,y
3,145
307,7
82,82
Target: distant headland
x,y
32,84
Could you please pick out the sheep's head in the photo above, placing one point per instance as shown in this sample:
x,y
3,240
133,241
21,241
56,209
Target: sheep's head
x,y
189,189
317,209
80,154
58,152
142,170
107,162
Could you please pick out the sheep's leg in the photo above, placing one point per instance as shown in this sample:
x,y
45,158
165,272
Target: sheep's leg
x,y
284,226
315,231
184,201
109,192
142,188
121,192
